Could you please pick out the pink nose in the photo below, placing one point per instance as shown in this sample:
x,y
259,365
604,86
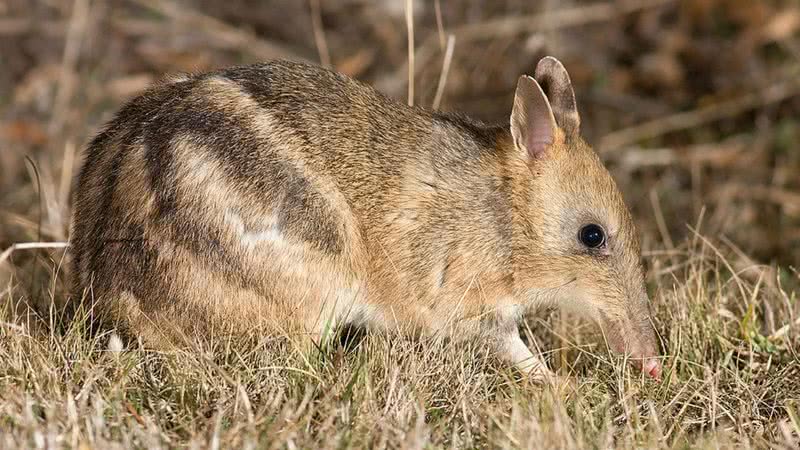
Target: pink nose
x,y
652,367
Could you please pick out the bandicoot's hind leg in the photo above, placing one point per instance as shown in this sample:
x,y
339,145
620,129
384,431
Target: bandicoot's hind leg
x,y
327,313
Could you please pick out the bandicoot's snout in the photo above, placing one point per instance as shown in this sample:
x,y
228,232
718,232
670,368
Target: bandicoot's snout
x,y
638,342
652,367
645,357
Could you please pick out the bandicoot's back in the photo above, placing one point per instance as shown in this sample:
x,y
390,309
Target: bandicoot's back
x,y
288,198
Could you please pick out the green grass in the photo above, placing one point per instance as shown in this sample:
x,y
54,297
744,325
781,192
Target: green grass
x,y
732,378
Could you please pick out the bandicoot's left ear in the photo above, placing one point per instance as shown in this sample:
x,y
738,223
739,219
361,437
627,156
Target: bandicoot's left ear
x,y
532,123
554,80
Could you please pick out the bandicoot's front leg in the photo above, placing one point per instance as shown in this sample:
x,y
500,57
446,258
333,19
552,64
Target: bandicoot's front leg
x,y
512,349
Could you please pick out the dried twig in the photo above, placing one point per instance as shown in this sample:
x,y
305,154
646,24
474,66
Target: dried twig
x,y
437,7
319,34
782,331
410,28
235,37
66,175
448,57
660,221
777,92
552,20
512,26
719,154
779,196
66,81
30,246
135,414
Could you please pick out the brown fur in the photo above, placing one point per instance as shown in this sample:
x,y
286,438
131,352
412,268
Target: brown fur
x,y
286,197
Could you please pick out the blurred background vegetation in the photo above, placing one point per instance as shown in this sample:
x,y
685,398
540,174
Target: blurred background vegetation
x,y
692,103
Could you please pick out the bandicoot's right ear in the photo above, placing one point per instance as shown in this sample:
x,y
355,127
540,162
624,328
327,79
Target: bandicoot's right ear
x,y
554,80
532,123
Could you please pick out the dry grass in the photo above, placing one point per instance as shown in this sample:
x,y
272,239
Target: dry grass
x,y
725,383
693,104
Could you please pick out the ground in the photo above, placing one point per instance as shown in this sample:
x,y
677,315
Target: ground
x,y
692,104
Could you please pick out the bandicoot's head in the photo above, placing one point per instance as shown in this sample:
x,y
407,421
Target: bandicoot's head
x,y
575,244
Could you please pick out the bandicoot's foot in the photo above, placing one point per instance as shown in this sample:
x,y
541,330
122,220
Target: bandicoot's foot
x,y
562,384
547,377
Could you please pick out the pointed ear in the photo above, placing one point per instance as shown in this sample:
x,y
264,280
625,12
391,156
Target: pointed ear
x,y
554,79
532,123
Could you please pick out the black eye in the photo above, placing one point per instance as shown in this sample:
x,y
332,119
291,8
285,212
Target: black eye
x,y
592,236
